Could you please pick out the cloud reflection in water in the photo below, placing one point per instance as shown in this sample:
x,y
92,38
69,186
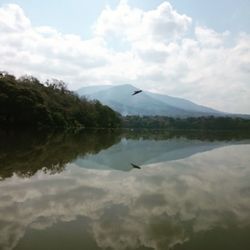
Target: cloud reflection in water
x,y
159,207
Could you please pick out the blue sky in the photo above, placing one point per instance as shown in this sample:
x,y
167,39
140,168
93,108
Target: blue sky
x,y
198,50
77,16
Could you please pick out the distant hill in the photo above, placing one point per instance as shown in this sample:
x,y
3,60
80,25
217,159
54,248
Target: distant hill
x,y
146,103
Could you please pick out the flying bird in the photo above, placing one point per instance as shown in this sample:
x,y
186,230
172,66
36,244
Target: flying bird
x,y
137,92
135,166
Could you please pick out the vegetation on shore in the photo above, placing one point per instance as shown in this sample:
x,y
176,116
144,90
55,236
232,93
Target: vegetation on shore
x,y
26,102
191,123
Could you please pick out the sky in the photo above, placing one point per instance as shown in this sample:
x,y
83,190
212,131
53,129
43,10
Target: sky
x,y
197,50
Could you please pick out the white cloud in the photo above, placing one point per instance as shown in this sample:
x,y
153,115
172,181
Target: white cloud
x,y
165,23
151,49
210,38
136,25
13,19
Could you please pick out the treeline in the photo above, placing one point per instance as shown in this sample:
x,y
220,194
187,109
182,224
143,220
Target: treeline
x,y
26,102
191,123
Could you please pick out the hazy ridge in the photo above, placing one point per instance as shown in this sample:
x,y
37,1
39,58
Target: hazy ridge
x,y
121,100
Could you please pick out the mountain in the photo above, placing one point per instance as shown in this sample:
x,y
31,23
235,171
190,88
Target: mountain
x,y
120,99
92,89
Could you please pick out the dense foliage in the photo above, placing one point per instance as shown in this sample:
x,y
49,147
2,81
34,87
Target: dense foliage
x,y
201,123
26,102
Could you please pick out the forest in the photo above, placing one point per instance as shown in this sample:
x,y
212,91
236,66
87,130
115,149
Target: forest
x,y
191,123
27,102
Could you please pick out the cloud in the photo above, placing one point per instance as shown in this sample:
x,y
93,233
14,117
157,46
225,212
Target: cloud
x,y
165,23
13,19
43,51
160,50
208,37
136,25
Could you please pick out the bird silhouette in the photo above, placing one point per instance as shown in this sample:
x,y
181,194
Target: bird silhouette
x,y
135,166
137,92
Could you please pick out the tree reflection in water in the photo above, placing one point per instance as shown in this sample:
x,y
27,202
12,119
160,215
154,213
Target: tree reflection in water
x,y
26,153
198,202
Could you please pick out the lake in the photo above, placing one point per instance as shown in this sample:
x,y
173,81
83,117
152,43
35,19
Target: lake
x,y
80,191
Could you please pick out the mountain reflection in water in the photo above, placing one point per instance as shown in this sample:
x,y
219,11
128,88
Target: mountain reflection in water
x,y
63,191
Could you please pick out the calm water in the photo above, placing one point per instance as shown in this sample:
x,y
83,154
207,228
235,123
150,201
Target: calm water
x,y
79,191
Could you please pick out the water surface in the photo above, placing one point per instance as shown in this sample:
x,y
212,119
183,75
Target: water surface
x,y
79,191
